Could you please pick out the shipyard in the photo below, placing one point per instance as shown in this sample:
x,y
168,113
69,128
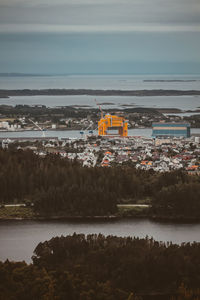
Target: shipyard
x,y
170,146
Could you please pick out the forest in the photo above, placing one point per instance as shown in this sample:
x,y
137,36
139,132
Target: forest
x,y
58,186
96,267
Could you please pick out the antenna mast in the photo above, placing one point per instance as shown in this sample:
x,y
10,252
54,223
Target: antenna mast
x,y
99,108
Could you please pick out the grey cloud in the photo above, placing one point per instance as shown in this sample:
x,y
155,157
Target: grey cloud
x,y
90,14
107,29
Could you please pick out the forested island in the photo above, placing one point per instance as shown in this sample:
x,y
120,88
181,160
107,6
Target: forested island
x,y
60,187
91,92
80,267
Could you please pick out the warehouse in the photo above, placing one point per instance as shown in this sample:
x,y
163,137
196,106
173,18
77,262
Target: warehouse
x,y
162,129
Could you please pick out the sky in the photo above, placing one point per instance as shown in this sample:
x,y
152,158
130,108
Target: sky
x,y
100,36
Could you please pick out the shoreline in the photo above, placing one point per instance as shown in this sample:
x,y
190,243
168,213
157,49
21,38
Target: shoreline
x,y
69,129
59,129
27,213
159,219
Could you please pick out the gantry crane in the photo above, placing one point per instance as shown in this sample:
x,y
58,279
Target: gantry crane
x,y
43,133
108,122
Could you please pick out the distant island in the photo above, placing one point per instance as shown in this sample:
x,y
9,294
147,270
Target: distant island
x,y
91,92
171,80
22,75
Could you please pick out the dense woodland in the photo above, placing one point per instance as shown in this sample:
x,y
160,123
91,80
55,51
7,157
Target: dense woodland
x,y
59,186
96,267
179,200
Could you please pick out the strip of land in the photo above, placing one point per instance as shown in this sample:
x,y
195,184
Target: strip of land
x,y
91,92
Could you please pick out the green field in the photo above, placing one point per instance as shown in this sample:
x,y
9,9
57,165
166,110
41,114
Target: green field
x,y
17,212
131,211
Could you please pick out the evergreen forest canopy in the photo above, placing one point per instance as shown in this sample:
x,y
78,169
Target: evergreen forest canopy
x,y
80,267
58,186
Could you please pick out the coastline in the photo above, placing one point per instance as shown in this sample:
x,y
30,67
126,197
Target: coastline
x,y
26,213
154,218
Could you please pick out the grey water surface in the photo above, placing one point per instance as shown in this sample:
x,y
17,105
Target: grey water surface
x,y
18,239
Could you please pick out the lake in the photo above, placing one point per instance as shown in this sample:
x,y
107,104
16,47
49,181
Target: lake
x,y
18,239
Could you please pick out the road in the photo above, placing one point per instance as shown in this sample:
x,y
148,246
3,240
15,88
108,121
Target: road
x,y
118,205
133,205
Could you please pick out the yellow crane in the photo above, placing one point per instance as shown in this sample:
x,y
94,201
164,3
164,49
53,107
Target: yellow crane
x,y
109,122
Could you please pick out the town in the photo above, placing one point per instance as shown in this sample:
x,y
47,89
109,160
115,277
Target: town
x,y
161,154
26,117
170,146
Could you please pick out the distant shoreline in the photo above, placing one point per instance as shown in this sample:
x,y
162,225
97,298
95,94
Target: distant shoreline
x,y
90,92
21,212
153,218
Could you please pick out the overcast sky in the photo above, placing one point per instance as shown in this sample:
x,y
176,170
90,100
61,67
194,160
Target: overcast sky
x,y
100,36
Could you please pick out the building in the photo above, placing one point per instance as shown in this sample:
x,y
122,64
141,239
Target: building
x,y
110,122
177,129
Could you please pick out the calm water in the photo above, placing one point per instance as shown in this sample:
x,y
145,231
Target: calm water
x,y
76,133
180,102
122,82
18,239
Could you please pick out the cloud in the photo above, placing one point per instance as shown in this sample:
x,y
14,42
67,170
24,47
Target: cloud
x,y
114,28
69,35
99,15
58,2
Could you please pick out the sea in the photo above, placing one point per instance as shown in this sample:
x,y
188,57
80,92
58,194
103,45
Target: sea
x,y
106,82
109,82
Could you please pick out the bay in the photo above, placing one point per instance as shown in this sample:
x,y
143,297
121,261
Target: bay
x,y
108,102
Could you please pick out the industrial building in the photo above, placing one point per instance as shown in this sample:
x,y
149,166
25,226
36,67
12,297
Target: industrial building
x,y
110,122
175,129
